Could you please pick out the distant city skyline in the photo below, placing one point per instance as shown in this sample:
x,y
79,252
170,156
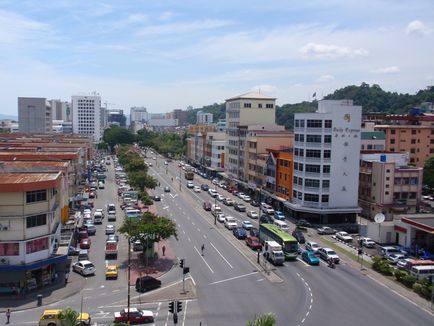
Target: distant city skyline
x,y
167,55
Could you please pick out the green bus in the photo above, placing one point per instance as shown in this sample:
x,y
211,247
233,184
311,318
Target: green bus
x,y
270,232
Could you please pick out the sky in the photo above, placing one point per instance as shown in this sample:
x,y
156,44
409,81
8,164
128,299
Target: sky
x,y
169,54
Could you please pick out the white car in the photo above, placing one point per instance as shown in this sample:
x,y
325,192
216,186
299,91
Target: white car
x,y
368,242
110,229
252,214
87,211
84,267
247,198
212,193
240,195
247,225
344,236
228,202
327,254
230,222
312,246
215,181
394,258
196,189
190,184
221,217
220,197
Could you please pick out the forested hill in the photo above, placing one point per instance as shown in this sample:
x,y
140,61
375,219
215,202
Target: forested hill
x,y
371,98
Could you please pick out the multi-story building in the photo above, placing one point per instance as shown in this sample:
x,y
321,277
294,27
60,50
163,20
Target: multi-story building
x,y
116,117
215,153
87,118
388,185
30,230
243,110
204,118
35,115
326,163
138,114
412,133
61,110
180,115
221,125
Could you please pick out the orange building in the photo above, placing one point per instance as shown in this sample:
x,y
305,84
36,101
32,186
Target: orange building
x,y
284,168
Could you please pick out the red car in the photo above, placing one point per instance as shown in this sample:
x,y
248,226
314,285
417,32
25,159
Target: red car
x,y
254,243
85,243
207,206
137,316
91,195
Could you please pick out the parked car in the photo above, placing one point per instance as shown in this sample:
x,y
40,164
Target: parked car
x,y
230,222
204,187
298,235
207,206
85,243
278,215
221,217
247,225
367,242
84,267
252,214
91,228
344,236
312,246
228,201
247,198
212,192
254,232
327,254
326,230
92,194
239,207
303,223
266,219
253,242
220,197
147,283
254,203
196,189
239,233
72,251
166,189
134,316
394,258
310,257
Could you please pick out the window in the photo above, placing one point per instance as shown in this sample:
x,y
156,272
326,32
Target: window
x,y
313,138
412,150
313,168
328,139
392,131
311,197
9,249
327,124
269,106
299,137
325,198
392,141
314,123
36,220
326,169
260,105
327,153
413,131
316,153
414,181
36,245
298,152
326,183
36,196
413,141
247,105
313,183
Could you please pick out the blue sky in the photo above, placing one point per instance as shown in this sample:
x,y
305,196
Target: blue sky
x,y
171,54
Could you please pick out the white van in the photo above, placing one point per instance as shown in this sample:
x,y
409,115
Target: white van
x,y
282,225
97,218
215,210
267,209
422,271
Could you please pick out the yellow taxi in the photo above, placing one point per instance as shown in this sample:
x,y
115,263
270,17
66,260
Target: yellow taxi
x,y
51,318
111,272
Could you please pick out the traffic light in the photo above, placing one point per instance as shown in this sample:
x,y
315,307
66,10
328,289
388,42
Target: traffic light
x,y
172,306
186,270
181,263
175,318
178,306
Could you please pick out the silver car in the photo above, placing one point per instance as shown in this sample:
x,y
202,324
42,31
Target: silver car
x,y
84,267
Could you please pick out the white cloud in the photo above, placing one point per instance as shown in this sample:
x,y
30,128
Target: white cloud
x,y
387,70
320,50
416,27
325,78
184,27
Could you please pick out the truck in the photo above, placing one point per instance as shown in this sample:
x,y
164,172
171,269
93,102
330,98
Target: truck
x,y
111,249
189,173
273,252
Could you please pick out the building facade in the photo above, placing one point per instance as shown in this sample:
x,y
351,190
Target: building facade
x,y
61,110
116,117
138,114
87,118
204,118
326,163
35,115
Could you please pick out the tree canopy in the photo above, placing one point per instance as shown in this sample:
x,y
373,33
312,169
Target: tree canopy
x,y
117,135
428,172
168,144
263,320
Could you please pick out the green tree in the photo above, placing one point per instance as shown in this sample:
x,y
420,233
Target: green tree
x,y
428,172
116,135
136,164
69,317
141,180
263,320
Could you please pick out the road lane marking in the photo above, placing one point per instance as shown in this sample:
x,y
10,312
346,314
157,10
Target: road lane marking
x,y
203,259
190,240
205,236
185,313
198,230
221,255
183,231
233,278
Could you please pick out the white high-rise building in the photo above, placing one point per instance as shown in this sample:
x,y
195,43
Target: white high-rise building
x,y
204,118
86,115
138,114
326,163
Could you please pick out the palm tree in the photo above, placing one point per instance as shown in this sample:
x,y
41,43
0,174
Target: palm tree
x,y
263,320
69,317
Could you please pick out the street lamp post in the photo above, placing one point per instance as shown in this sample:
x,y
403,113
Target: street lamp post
x,y
179,177
128,281
215,205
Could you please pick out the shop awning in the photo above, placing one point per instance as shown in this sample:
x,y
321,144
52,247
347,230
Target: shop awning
x,y
32,266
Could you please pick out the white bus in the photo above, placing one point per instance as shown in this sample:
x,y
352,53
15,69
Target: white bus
x,y
422,271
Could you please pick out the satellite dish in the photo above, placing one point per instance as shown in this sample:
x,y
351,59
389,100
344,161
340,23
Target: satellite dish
x,y
379,218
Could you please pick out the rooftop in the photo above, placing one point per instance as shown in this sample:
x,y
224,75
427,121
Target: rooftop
x,y
20,182
379,135
251,96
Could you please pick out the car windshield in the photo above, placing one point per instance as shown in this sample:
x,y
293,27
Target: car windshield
x,y
331,252
314,245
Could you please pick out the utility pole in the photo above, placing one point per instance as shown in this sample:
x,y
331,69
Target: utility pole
x,y
180,167
128,281
215,204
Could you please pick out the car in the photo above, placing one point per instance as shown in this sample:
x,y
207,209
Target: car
x,y
215,181
207,206
228,201
166,163
84,267
92,195
367,242
111,208
402,263
278,215
111,271
326,230
72,251
239,233
344,236
266,219
147,283
204,187
230,222
137,245
254,203
149,164
394,258
247,225
85,243
221,217
254,232
196,189
247,198
212,192
190,184
252,214
110,229
239,207
298,234
220,197
51,317
157,198
112,237
303,223
310,257
240,195
90,227
312,246
135,316
154,158
327,254
254,243
82,234
166,189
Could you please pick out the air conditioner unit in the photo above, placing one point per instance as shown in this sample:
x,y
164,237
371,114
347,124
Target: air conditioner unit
x,y
4,261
